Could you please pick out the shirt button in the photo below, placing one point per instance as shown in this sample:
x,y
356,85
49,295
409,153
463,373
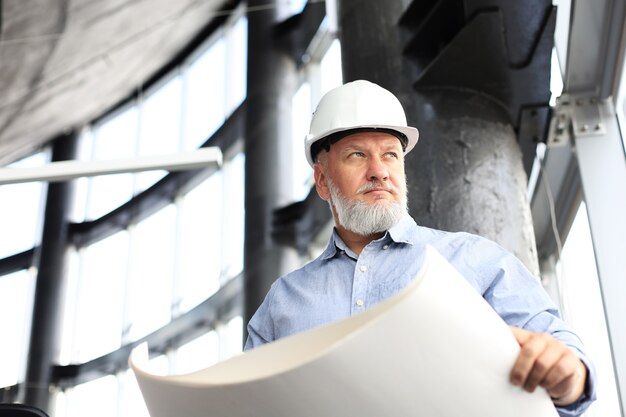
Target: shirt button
x,y
363,268
386,247
359,303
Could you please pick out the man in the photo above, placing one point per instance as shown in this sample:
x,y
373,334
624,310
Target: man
x,y
356,146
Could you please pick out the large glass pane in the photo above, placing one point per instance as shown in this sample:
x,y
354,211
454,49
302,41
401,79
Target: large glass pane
x,y
561,32
114,139
200,353
160,128
583,309
200,244
100,298
131,400
97,398
234,213
233,337
204,96
237,64
16,294
331,72
21,210
74,260
556,80
117,137
301,118
151,273
81,185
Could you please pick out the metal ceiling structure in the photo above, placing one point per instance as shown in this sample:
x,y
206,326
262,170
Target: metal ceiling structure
x,y
65,62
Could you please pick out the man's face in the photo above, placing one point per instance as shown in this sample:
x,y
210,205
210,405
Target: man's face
x,y
362,176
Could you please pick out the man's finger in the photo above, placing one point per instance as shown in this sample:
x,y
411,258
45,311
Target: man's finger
x,y
565,390
531,348
520,335
567,366
547,364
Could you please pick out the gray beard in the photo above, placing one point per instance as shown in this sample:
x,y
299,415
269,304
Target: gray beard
x,y
366,219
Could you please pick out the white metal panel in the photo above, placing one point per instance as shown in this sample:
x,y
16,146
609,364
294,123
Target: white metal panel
x,y
66,170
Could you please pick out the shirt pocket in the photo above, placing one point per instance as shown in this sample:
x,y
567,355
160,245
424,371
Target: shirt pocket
x,y
392,285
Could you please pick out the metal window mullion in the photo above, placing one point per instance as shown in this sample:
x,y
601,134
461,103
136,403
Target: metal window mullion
x,y
79,285
127,323
140,104
176,290
603,173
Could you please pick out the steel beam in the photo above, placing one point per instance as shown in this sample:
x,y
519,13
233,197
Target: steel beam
x,y
603,173
45,338
595,47
17,262
272,81
68,170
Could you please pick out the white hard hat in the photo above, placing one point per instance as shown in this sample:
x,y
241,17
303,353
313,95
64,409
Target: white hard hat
x,y
357,106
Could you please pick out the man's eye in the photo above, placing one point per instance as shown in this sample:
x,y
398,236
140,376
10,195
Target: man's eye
x,y
357,155
391,155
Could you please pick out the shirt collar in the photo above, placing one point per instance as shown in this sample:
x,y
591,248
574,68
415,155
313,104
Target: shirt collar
x,y
335,244
402,232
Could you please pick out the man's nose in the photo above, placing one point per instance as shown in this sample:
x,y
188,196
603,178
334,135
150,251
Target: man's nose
x,y
377,170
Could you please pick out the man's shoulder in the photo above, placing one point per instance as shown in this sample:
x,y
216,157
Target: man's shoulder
x,y
458,243
303,272
431,235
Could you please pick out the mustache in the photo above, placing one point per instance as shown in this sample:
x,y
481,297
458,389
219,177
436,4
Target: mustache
x,y
373,185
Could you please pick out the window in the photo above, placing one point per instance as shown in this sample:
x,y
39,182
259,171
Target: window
x,y
321,76
82,399
135,281
198,354
97,298
200,250
150,281
20,219
114,139
159,132
233,216
16,294
205,96
579,287
301,117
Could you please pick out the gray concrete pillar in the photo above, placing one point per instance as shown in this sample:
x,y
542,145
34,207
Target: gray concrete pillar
x,y
466,172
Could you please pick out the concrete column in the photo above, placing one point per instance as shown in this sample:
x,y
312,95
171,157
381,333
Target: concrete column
x,y
466,172
272,81
45,339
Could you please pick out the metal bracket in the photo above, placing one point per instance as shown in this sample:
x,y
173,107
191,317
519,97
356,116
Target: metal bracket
x,y
575,117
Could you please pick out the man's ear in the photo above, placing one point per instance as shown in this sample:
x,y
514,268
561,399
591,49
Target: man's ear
x,y
320,181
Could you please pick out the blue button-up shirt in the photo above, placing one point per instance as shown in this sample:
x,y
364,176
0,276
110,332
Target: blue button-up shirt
x,y
339,284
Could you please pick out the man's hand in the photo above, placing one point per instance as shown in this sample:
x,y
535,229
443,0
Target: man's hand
x,y
546,362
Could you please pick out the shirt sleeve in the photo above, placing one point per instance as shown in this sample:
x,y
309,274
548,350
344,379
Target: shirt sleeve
x,y
260,327
520,299
589,394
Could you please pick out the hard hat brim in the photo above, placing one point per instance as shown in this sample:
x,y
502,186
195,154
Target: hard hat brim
x,y
411,133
